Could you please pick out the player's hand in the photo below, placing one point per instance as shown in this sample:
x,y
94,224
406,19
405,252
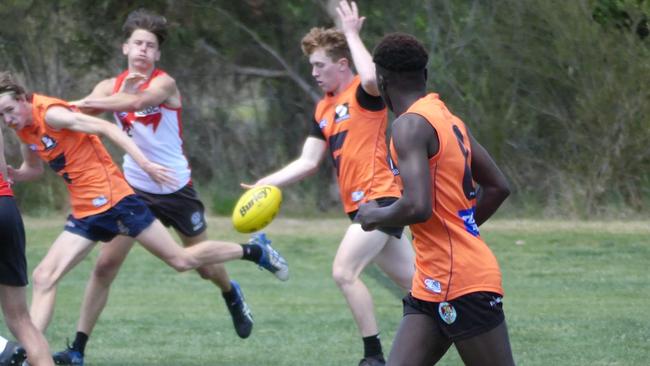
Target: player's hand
x,y
159,174
133,82
11,172
349,16
366,215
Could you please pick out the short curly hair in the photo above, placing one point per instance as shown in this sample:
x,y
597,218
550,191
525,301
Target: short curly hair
x,y
400,52
8,84
331,40
146,20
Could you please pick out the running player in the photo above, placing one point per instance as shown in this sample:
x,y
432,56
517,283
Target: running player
x,y
351,120
147,105
456,296
103,204
13,279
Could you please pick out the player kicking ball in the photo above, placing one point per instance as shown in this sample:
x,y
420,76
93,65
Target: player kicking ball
x,y
103,204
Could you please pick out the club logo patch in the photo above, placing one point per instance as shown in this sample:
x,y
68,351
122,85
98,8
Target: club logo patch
x,y
100,201
48,142
447,312
197,221
357,196
323,123
341,112
433,285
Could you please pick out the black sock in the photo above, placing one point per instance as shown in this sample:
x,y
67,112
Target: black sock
x,y
372,346
230,296
252,252
79,343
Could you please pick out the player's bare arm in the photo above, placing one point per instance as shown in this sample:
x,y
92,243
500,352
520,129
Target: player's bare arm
x,y
415,141
63,118
313,152
161,90
494,185
3,162
351,24
30,169
103,89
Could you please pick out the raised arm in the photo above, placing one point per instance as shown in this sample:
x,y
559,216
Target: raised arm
x,y
63,118
351,25
161,90
494,185
415,140
312,154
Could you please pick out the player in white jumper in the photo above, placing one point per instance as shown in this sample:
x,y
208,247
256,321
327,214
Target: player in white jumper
x,y
147,105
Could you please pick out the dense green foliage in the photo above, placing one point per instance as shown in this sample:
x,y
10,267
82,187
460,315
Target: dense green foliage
x,y
557,91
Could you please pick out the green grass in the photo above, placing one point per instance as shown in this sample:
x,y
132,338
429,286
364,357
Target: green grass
x,y
576,294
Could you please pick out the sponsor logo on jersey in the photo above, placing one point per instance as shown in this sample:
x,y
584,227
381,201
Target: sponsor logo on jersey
x,y
100,201
48,142
468,219
357,196
148,111
447,312
341,112
33,147
432,285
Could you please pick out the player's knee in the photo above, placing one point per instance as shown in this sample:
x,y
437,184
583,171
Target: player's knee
x,y
183,263
206,273
43,278
343,276
106,269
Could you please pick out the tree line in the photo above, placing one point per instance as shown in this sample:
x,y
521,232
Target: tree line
x,y
557,91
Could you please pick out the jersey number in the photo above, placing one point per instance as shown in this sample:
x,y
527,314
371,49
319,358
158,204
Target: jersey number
x,y
335,144
468,183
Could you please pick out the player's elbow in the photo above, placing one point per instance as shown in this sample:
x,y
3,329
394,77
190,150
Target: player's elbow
x,y
502,190
419,212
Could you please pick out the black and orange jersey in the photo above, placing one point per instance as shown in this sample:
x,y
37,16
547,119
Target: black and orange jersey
x,y
451,258
94,182
357,142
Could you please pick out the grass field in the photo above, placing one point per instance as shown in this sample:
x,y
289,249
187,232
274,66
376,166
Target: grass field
x,y
576,294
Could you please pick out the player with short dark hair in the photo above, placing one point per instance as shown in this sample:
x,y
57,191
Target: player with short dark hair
x,y
351,121
13,280
146,103
456,295
103,204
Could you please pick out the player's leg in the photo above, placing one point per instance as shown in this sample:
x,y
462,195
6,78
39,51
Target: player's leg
x,y
16,315
230,290
111,257
397,260
65,253
491,347
157,240
418,341
357,249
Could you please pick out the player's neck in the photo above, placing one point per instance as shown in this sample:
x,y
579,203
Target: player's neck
x,y
405,100
346,80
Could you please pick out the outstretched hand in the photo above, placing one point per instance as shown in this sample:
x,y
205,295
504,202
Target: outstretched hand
x,y
133,82
349,16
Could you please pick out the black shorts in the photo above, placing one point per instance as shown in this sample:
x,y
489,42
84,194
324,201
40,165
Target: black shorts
x,y
395,231
128,217
181,210
463,317
13,265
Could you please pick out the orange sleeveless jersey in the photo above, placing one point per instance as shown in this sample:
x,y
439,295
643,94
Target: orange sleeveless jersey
x,y
94,182
357,143
451,258
5,189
